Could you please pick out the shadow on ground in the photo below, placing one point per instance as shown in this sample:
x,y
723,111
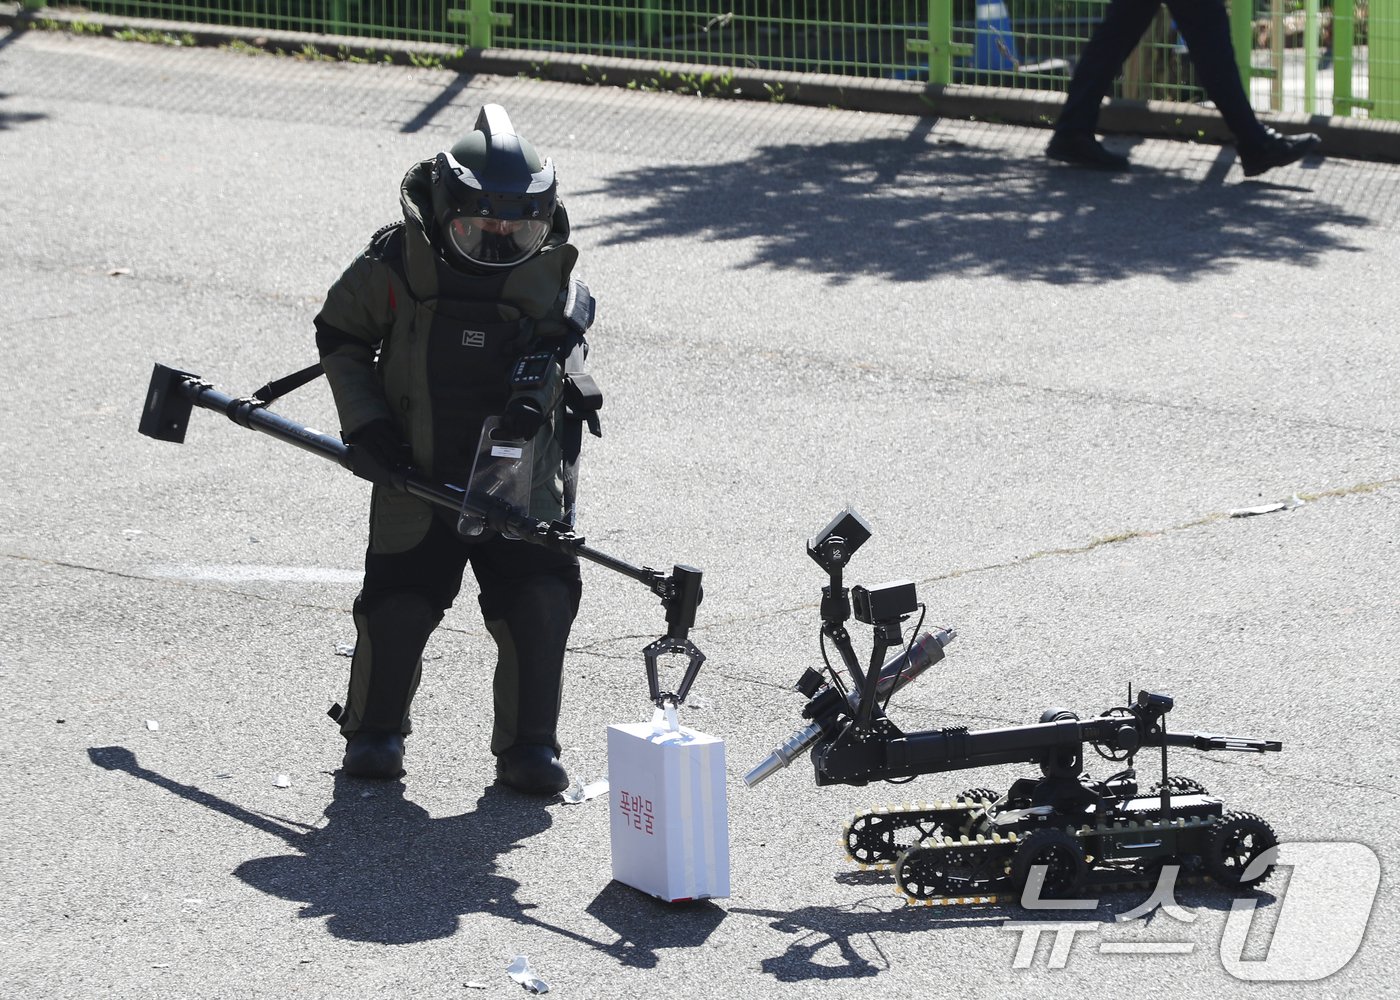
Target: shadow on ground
x,y
382,870
844,942
9,119
911,207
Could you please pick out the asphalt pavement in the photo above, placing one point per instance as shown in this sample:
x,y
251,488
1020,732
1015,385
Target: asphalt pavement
x,y
1046,389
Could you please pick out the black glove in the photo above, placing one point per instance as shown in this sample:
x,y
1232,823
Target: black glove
x,y
522,419
378,453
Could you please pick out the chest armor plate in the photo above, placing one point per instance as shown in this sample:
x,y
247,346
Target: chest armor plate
x,y
470,351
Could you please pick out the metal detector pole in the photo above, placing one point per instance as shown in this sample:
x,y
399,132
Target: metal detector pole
x,y
173,394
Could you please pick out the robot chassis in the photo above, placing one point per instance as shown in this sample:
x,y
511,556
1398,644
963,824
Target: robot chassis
x,y
1062,833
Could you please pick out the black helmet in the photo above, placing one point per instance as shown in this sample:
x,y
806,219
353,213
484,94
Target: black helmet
x,y
493,200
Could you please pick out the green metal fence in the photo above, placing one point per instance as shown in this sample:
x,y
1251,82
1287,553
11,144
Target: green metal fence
x,y
1295,55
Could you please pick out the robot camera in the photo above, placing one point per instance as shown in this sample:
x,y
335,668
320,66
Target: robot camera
x,y
1156,704
834,545
888,602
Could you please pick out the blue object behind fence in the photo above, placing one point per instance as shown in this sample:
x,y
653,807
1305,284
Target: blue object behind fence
x,y
993,48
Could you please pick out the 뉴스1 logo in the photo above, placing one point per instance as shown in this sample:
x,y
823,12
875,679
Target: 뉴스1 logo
x,y
473,338
1320,925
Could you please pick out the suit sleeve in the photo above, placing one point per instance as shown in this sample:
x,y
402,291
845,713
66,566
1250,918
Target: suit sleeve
x,y
350,328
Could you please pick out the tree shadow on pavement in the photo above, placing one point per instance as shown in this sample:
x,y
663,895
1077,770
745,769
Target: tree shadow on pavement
x,y
909,208
382,870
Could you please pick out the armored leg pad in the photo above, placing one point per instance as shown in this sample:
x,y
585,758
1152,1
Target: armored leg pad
x,y
387,665
530,641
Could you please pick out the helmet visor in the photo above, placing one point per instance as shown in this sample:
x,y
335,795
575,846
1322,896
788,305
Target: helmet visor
x,y
496,242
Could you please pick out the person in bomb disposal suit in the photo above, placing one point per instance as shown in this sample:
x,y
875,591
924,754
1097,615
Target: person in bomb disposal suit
x,y
1205,27
419,339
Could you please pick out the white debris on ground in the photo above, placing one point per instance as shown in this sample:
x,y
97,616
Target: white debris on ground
x,y
1268,508
577,792
520,971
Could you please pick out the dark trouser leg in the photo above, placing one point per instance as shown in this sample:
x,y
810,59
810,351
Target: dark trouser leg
x,y
413,571
529,597
1205,27
1113,41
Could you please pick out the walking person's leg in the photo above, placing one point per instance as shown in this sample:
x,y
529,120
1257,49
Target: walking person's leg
x,y
1112,41
1205,27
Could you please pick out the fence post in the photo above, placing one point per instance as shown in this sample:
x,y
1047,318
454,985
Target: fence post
x,y
938,46
480,25
1343,38
940,40
339,16
1312,18
1242,38
480,22
1383,57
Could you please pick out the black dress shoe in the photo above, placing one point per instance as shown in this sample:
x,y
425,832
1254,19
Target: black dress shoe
x,y
531,768
1083,150
1275,150
374,755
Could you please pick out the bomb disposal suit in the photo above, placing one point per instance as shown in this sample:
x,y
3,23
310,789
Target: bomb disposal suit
x,y
422,340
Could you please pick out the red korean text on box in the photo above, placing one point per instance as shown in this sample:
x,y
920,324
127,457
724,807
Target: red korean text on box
x,y
638,812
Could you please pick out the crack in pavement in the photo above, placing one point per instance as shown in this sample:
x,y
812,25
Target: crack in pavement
x,y
1357,489
947,717
788,358
592,648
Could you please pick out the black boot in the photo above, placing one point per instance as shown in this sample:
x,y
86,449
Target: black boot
x,y
532,768
1083,150
374,755
1275,150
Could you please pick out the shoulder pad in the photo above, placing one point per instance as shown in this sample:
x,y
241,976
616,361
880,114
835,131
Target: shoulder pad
x,y
579,306
387,242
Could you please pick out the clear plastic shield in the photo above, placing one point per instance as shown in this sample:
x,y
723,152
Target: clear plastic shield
x,y
500,479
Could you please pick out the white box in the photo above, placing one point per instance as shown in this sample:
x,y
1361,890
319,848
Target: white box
x,y
670,817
